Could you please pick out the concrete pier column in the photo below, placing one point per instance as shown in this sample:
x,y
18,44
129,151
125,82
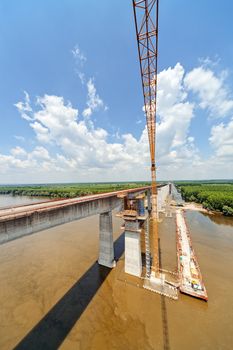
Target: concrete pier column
x,y
133,258
106,248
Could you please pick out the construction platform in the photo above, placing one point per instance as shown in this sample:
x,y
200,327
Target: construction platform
x,y
161,286
191,281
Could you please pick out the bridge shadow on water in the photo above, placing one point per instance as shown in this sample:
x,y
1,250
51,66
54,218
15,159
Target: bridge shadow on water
x,y
53,328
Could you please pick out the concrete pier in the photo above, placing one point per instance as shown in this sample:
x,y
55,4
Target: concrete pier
x,y
106,249
134,218
133,259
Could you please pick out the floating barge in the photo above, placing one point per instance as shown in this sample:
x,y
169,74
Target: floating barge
x,y
191,282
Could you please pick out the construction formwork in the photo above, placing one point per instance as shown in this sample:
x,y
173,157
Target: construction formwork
x,y
134,215
140,242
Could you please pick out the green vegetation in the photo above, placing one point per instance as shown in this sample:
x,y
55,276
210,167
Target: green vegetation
x,y
213,196
68,190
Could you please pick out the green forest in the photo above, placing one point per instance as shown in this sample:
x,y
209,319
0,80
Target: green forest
x,y
68,190
213,196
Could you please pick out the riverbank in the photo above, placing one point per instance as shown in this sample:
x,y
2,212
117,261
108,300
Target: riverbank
x,y
197,207
214,197
192,206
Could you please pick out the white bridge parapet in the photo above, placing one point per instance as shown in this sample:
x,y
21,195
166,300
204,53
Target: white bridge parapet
x,y
162,195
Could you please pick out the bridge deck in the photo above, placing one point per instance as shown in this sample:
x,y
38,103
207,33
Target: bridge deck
x,y
12,212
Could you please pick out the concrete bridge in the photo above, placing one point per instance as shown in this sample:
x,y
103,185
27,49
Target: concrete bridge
x,y
24,220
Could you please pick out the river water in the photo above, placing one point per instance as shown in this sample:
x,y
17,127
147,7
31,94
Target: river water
x,y
54,295
9,200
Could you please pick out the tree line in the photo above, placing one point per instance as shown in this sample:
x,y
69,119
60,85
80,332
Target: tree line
x,y
217,197
67,190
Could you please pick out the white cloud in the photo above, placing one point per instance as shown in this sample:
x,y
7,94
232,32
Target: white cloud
x,y
87,112
208,62
94,102
18,152
211,91
82,146
42,133
222,140
83,152
170,88
39,152
24,107
78,55
81,76
79,59
86,148
175,114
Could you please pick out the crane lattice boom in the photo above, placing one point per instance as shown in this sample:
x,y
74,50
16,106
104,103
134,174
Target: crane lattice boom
x,y
146,23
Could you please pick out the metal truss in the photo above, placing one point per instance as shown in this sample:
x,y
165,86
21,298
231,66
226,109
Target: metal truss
x,y
146,24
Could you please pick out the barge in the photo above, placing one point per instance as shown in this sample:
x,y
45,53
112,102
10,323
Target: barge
x,y
190,277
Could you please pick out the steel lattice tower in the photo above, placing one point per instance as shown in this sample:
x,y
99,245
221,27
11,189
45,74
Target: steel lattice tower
x,y
146,24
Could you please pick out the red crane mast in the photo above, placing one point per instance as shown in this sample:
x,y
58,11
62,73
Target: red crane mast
x,y
146,24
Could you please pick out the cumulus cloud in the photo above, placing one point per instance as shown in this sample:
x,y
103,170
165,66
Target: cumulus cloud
x,y
175,114
170,87
211,90
221,140
18,151
83,147
86,148
83,152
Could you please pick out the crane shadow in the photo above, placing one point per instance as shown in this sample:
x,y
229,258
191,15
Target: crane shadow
x,y
166,342
53,328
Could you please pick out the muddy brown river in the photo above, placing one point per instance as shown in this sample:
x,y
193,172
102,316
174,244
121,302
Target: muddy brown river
x,y
54,295
7,200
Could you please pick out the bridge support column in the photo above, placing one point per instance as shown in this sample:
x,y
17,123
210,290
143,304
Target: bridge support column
x,y
133,258
106,248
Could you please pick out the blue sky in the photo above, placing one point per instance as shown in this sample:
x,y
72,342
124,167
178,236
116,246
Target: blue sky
x,y
92,129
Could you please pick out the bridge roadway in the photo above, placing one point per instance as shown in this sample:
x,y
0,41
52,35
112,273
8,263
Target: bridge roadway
x,y
9,213
19,221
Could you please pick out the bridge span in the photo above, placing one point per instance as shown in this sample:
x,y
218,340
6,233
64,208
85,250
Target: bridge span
x,y
19,221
